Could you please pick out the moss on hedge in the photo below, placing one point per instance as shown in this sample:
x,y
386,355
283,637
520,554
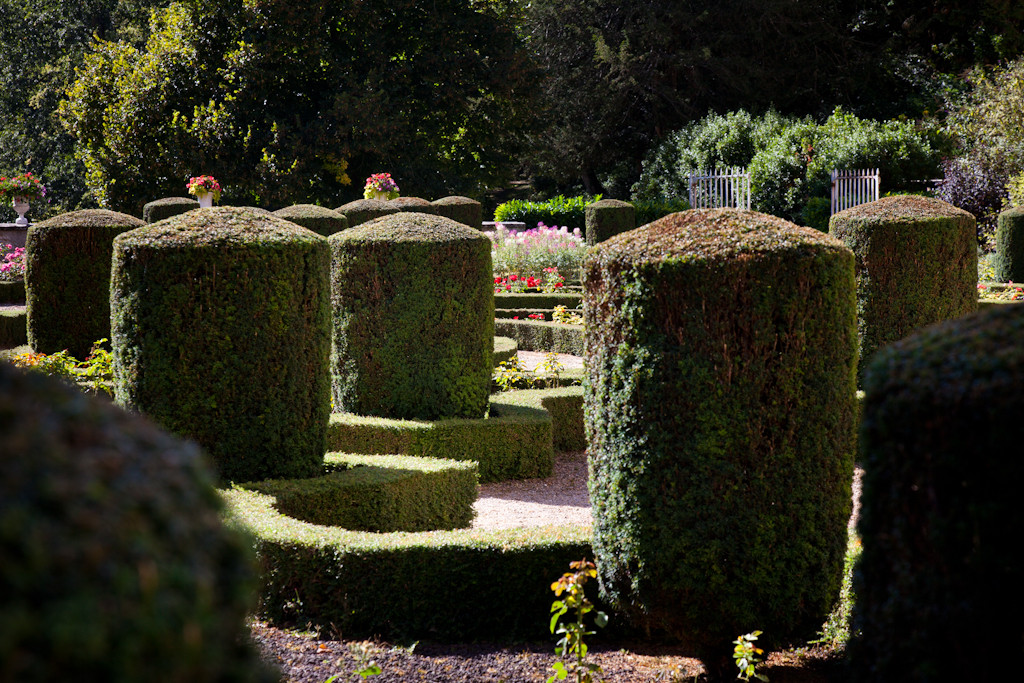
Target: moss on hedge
x,y
413,204
608,217
13,331
363,210
917,264
67,279
221,332
116,565
460,209
413,318
407,585
382,493
534,335
160,209
720,417
1009,260
316,218
938,583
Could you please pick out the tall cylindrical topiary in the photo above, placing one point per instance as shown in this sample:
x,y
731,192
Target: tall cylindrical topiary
x,y
938,584
115,565
67,279
917,263
416,204
362,210
606,218
159,209
316,218
1009,261
460,209
720,417
221,333
413,318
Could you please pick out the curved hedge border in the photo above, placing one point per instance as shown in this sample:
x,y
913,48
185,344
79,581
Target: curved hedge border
x,y
505,349
380,493
537,300
12,291
517,442
13,331
407,585
533,335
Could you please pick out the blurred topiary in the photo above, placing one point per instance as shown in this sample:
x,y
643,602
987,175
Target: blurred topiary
x,y
1009,259
460,209
160,209
608,217
221,333
938,589
413,312
316,218
116,565
67,279
417,204
917,263
362,210
720,418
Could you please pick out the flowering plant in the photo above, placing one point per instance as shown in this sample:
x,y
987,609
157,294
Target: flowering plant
x,y
380,186
533,251
12,259
25,185
204,184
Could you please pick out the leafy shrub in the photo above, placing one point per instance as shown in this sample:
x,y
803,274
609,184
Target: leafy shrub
x,y
559,210
407,343
316,218
936,587
648,211
67,279
917,263
221,333
714,508
973,184
116,565
160,209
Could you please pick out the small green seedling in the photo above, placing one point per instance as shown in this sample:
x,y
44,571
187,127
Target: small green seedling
x,y
747,656
571,643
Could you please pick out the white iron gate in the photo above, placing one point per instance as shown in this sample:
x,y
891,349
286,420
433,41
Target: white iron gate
x,y
729,187
853,187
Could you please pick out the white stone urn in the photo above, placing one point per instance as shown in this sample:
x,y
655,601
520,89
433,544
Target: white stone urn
x,y
21,207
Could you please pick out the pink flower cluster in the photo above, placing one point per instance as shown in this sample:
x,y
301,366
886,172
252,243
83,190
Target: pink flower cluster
x,y
13,260
25,185
204,183
381,182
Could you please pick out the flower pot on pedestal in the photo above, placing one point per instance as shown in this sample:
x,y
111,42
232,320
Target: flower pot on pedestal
x,y
21,207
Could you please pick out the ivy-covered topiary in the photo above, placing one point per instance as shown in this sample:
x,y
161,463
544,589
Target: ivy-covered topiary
x,y
316,218
413,204
1009,261
221,333
413,318
362,210
67,279
608,217
938,584
720,417
116,565
160,209
917,263
460,209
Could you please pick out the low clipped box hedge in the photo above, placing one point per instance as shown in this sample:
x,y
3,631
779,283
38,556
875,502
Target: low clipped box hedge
x,y
607,218
221,333
1009,259
12,328
12,291
363,210
316,218
937,585
917,263
380,493
67,279
116,564
460,209
720,417
407,342
535,335
160,209
505,349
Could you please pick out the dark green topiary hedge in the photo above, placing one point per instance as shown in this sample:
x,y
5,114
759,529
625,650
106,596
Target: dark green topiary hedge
x,y
607,218
221,332
115,563
413,204
381,493
461,210
504,349
1009,261
537,299
12,291
938,584
413,318
533,335
316,218
67,279
363,210
720,416
917,263
13,331
160,209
